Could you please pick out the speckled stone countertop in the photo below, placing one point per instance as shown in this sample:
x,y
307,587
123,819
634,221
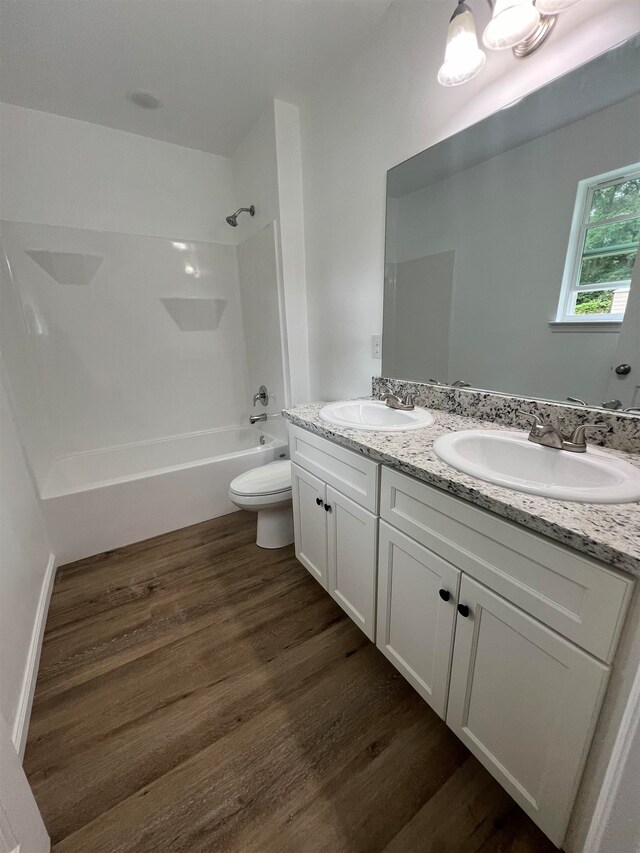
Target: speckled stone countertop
x,y
607,532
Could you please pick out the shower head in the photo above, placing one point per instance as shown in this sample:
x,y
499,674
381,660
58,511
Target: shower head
x,y
233,219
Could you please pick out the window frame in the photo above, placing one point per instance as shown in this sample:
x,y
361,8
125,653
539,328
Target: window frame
x,y
580,224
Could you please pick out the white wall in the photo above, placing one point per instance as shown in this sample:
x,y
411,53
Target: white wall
x,y
290,196
59,171
24,558
263,317
370,115
255,177
267,172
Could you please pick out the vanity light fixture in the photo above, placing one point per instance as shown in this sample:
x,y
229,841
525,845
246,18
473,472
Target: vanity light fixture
x,y
463,59
512,21
523,25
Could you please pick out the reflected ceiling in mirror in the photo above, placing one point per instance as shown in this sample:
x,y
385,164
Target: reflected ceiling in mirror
x,y
511,247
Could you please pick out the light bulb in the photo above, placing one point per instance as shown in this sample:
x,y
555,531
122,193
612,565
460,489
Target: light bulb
x,y
554,7
512,22
463,59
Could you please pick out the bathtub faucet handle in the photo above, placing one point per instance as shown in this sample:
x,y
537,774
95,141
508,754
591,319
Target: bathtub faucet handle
x,y
262,396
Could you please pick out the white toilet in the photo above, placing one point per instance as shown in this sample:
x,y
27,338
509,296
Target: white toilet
x,y
267,491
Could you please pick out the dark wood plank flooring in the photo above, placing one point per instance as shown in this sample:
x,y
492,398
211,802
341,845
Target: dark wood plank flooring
x,y
197,693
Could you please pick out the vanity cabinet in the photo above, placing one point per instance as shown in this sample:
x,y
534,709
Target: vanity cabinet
x,y
500,631
506,634
335,499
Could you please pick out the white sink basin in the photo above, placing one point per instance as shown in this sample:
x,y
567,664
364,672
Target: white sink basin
x,y
509,459
374,415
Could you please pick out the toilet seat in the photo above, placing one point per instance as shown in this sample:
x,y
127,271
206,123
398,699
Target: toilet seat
x,y
271,479
267,491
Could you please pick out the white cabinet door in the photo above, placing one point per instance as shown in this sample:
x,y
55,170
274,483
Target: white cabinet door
x,y
352,539
309,522
525,702
417,598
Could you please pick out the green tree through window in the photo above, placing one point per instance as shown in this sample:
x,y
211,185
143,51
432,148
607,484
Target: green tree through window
x,y
604,247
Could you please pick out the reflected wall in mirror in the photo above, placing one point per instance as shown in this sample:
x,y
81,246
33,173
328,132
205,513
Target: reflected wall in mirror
x,y
511,249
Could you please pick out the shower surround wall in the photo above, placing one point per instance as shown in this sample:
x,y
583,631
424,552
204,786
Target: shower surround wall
x,y
124,318
135,338
113,362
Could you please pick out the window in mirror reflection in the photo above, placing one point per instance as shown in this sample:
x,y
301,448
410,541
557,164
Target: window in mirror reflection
x,y
603,248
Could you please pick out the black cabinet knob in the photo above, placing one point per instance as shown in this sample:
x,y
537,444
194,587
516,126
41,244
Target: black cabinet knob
x,y
463,610
444,594
327,508
623,369
319,501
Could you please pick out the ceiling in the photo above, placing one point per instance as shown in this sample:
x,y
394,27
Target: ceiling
x,y
214,64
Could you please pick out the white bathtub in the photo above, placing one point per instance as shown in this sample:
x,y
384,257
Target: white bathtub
x,y
97,501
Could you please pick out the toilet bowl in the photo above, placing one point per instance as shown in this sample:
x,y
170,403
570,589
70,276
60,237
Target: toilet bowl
x,y
267,491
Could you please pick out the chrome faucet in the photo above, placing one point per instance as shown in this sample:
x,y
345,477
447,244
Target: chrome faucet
x,y
395,402
262,396
254,419
548,436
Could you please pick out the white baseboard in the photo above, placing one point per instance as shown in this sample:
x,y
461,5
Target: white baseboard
x,y
21,725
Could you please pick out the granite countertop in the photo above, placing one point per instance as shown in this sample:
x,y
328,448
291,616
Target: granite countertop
x,y
607,532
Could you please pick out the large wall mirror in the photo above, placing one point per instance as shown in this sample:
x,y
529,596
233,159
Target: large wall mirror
x,y
511,248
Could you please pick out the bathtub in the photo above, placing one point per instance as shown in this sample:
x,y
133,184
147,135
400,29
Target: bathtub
x,y
103,499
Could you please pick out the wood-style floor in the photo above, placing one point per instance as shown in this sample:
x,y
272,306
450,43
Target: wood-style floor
x,y
197,693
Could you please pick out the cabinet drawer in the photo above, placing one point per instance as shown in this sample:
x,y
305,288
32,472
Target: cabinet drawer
x,y
349,472
581,599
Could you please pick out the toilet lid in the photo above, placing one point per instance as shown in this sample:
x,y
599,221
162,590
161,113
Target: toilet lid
x,y
265,480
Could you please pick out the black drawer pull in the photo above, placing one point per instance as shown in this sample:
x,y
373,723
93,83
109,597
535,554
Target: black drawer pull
x,y
463,610
327,508
444,594
319,501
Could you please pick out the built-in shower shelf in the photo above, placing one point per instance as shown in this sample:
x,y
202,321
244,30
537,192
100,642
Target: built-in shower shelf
x,y
194,314
67,267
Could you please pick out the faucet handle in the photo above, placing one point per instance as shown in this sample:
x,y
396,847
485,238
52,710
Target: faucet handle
x,y
262,396
410,398
577,437
534,419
